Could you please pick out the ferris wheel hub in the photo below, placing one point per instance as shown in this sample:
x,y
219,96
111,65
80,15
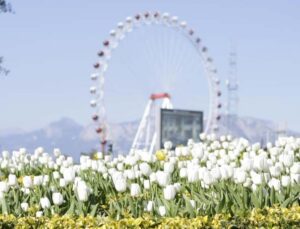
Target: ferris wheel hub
x,y
156,96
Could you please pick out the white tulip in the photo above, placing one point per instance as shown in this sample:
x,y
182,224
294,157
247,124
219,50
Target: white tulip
x,y
95,165
288,159
150,206
5,154
120,166
247,163
120,184
163,179
275,171
56,175
45,203
130,174
146,184
62,182
197,151
169,192
192,175
202,137
177,186
254,187
193,203
178,151
207,178
145,169
153,177
183,173
222,138
4,164
12,180
275,183
135,190
39,214
256,178
56,152
69,174
27,181
185,151
285,180
260,163
240,176
37,180
57,198
295,169
248,182
169,167
168,145
190,143
82,191
24,206
162,210
295,178
107,158
216,174
3,186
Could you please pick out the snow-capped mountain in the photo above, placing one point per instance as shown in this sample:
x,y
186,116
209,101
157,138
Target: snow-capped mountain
x,y
74,139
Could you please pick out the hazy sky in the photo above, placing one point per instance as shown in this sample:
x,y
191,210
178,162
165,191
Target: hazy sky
x,y
50,47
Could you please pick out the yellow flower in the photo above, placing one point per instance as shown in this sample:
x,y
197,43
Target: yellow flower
x,y
160,155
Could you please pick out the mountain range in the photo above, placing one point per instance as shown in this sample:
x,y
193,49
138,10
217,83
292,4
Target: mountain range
x,y
74,139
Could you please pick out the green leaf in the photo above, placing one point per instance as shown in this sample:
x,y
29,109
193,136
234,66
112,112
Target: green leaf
x,y
71,210
94,209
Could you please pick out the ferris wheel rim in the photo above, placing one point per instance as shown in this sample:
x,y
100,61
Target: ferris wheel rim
x,y
118,34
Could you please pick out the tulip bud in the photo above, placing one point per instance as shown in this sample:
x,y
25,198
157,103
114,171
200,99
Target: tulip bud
x,y
57,198
39,214
146,184
168,145
162,210
183,173
24,206
150,206
135,190
45,203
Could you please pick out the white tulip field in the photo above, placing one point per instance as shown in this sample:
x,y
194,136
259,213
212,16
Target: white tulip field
x,y
206,178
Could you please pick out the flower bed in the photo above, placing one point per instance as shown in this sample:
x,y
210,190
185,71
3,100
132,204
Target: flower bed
x,y
214,182
267,218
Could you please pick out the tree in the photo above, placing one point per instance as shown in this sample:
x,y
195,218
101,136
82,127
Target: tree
x,y
5,7
2,69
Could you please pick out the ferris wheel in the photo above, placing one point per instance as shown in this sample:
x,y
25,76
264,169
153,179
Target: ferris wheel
x,y
140,22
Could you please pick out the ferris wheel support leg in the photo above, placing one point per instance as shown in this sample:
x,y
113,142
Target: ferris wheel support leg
x,y
148,135
142,124
153,143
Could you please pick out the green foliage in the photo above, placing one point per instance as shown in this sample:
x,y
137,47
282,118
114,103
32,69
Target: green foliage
x,y
3,70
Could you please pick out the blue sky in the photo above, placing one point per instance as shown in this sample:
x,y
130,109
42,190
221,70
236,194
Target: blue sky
x,y
50,47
